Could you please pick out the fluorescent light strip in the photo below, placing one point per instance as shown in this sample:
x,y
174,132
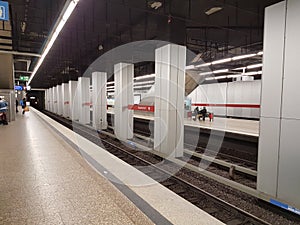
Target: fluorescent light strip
x,y
145,86
260,53
243,57
205,73
190,67
221,71
54,34
203,65
254,66
142,83
145,77
214,72
221,61
234,75
108,83
225,60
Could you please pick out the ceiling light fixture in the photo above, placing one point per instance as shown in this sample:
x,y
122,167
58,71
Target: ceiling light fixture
x,y
254,66
221,61
205,73
243,57
203,65
260,53
221,71
64,16
155,5
145,77
213,10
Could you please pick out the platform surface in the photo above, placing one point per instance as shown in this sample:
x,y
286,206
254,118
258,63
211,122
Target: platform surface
x,y
45,181
239,126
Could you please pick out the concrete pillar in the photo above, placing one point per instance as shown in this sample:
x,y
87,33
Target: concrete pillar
x,y
49,92
48,100
84,100
66,100
55,105
6,72
59,100
123,97
170,62
278,154
51,100
74,104
99,80
7,84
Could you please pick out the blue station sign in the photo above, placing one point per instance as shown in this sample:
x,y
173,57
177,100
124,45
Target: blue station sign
x,y
4,11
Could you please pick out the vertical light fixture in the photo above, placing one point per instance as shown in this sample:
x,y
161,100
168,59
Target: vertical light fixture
x,y
60,23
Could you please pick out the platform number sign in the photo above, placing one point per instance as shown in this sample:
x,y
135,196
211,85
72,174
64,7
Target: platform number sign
x,y
4,11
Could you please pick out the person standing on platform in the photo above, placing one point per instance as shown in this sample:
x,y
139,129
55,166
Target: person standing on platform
x,y
23,105
17,105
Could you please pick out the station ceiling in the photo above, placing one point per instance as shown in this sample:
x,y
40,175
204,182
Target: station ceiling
x,y
236,29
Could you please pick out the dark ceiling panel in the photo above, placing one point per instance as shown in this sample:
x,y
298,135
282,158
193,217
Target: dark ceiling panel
x,y
238,27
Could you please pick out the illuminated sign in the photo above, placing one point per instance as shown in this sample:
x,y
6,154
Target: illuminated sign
x,y
4,11
18,88
24,78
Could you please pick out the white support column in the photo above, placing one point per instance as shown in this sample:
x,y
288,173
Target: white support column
x,y
46,99
59,100
74,103
170,62
66,100
84,100
123,97
99,80
55,99
278,154
51,100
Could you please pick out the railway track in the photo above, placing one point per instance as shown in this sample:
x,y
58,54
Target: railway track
x,y
226,212
237,149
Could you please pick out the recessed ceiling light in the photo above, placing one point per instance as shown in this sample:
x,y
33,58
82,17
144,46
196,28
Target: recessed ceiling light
x,y
213,10
155,5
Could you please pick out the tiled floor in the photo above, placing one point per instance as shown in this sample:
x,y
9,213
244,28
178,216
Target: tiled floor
x,y
44,181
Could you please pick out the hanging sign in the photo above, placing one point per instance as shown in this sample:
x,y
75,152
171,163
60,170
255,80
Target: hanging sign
x,y
4,11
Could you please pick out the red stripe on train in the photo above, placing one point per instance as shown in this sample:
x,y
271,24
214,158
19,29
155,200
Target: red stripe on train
x,y
228,105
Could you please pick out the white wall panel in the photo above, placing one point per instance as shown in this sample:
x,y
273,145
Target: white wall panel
x,y
291,90
268,155
66,100
272,60
74,104
84,100
289,175
124,73
59,100
99,100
